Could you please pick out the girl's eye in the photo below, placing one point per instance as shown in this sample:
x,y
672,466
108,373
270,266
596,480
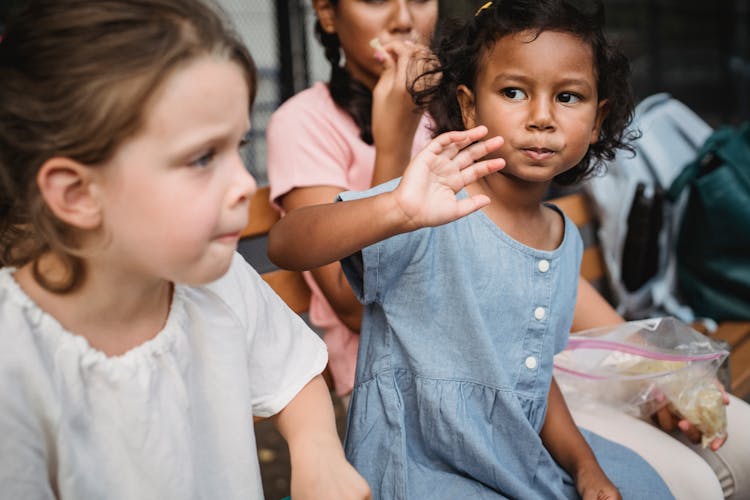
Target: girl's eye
x,y
204,160
568,98
513,94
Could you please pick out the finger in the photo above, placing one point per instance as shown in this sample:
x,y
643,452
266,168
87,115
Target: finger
x,y
475,151
386,79
457,139
665,419
481,169
401,49
718,442
404,54
382,55
471,204
389,64
395,54
724,395
478,150
690,431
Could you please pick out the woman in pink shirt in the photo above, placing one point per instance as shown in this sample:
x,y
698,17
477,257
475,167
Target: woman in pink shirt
x,y
358,130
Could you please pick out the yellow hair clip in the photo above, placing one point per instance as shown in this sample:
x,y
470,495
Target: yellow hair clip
x,y
485,6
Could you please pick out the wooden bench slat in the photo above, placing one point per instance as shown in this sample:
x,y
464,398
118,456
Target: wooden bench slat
x,y
739,370
592,267
733,332
576,207
291,287
261,214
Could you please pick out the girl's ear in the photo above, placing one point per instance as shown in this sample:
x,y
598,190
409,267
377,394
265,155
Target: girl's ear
x,y
326,13
67,188
602,110
466,102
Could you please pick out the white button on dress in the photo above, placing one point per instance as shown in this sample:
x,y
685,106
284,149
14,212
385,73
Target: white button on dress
x,y
543,265
531,362
539,313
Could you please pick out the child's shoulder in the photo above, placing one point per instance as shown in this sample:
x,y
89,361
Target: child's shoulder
x,y
240,285
314,100
23,345
17,310
313,116
243,294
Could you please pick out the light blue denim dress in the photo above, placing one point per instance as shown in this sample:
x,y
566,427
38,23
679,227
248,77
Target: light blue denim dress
x,y
455,360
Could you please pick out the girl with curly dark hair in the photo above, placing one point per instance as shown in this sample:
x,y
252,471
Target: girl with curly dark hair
x,y
469,279
465,49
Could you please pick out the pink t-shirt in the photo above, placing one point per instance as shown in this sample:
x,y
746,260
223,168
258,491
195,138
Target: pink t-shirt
x,y
312,142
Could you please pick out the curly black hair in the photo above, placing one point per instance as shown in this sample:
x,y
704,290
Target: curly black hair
x,y
460,45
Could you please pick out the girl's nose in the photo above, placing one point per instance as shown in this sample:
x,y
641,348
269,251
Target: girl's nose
x,y
540,115
402,20
243,183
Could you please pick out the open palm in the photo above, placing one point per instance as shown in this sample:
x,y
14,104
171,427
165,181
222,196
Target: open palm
x,y
427,191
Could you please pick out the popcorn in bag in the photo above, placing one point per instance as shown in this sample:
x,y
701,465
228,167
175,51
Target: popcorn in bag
x,y
641,366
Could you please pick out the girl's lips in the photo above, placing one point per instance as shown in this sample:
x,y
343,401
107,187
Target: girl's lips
x,y
538,153
228,237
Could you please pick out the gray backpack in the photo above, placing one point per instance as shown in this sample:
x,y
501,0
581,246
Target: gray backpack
x,y
637,226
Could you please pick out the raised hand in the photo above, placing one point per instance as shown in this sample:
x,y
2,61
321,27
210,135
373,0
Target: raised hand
x,y
315,235
395,116
393,107
427,192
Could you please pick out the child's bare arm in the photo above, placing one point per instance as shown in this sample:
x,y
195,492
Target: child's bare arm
x,y
319,467
316,235
330,278
592,310
566,444
312,236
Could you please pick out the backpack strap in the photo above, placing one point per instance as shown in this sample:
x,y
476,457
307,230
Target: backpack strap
x,y
707,159
737,154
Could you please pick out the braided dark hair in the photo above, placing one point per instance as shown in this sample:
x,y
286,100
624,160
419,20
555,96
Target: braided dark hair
x,y
349,94
461,44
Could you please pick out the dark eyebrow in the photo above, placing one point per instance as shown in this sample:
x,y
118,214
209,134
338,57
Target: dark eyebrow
x,y
565,82
510,77
579,82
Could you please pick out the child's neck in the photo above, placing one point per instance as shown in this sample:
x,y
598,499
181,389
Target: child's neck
x,y
114,312
516,208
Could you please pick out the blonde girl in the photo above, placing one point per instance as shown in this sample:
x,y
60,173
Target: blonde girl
x,y
136,345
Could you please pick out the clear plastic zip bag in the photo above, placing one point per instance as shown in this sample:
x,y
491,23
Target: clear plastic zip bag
x,y
641,366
